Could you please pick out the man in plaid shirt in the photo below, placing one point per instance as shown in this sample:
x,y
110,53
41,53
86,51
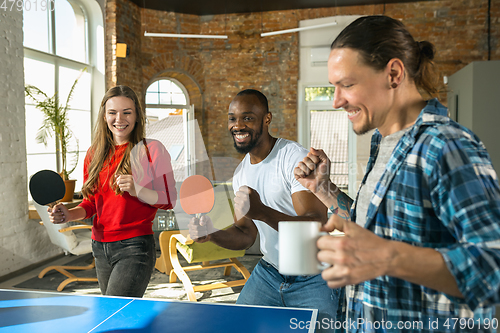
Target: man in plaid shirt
x,y
424,253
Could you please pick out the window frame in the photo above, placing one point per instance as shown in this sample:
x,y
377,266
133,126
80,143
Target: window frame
x,y
304,132
168,106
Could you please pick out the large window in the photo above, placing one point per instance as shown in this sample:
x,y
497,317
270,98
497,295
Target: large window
x,y
171,121
57,51
329,130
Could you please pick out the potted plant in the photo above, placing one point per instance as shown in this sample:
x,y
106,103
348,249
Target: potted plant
x,y
56,123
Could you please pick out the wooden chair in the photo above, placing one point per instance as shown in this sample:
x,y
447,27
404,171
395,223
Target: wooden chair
x,y
64,236
204,253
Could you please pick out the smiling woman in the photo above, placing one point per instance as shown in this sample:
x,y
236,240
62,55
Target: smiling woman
x,y
127,179
121,118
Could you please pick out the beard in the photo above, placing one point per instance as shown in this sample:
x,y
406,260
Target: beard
x,y
245,148
363,130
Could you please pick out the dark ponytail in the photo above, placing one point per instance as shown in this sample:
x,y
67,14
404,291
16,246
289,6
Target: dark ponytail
x,y
425,77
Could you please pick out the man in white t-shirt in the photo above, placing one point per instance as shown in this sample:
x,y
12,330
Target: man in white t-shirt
x,y
267,192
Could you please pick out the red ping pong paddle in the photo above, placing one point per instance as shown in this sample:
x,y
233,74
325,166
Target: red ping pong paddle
x,y
46,187
196,196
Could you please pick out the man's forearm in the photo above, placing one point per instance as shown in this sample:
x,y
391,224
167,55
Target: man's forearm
x,y
272,217
232,238
333,198
423,266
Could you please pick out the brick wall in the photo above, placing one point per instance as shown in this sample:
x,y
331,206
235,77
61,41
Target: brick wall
x,y
123,26
217,69
22,241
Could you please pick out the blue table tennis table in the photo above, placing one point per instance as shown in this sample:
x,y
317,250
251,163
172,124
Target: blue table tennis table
x,y
39,312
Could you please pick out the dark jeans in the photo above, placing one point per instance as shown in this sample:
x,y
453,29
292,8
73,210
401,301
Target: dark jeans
x,y
266,286
124,267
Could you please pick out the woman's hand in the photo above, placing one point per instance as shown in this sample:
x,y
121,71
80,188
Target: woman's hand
x,y
126,184
58,214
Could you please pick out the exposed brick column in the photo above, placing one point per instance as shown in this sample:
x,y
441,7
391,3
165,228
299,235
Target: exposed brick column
x,y
110,44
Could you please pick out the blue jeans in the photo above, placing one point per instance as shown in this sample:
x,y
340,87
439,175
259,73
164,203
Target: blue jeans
x,y
266,286
124,267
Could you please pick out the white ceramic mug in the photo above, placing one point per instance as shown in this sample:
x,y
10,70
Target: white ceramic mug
x,y
297,248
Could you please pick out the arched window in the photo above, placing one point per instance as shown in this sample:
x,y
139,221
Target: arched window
x,y
60,41
165,97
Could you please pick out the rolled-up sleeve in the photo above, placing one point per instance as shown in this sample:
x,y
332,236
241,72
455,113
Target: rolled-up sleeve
x,y
89,207
157,173
466,197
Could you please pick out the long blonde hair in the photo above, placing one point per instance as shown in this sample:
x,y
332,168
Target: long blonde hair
x,y
103,145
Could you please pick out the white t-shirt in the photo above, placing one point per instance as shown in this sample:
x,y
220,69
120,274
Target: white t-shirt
x,y
273,179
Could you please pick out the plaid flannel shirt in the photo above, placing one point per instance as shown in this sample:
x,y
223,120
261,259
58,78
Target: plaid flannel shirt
x,y
440,191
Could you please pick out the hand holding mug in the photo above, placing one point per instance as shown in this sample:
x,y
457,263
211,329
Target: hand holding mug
x,y
297,248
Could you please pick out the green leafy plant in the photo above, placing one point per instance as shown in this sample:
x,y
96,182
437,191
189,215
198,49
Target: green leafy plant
x,y
319,93
56,123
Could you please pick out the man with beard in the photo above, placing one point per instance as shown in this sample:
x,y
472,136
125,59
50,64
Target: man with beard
x,y
266,193
422,246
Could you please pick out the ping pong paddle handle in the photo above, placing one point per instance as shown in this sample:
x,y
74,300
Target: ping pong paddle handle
x,y
189,241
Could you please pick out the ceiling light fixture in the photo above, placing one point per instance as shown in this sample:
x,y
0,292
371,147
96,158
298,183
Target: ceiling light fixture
x,y
158,34
287,31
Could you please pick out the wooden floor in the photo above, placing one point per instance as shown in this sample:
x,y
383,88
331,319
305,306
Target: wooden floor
x,y
159,286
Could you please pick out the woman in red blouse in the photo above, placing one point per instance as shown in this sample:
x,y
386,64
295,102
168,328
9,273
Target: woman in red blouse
x,y
126,180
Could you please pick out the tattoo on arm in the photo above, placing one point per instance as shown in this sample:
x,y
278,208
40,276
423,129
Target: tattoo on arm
x,y
344,215
344,204
343,201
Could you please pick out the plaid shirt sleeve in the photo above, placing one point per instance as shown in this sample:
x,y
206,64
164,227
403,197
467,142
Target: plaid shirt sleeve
x,y
465,196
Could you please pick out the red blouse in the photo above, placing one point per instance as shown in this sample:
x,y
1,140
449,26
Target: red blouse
x,y
119,217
